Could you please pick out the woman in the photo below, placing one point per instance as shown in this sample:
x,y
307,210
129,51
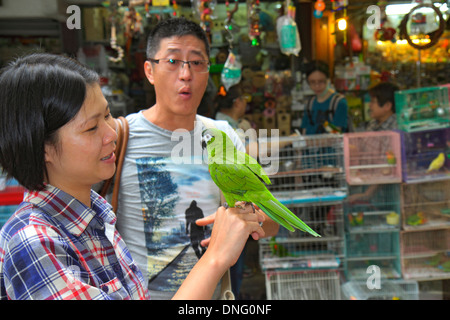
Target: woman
x,y
326,106
230,106
57,139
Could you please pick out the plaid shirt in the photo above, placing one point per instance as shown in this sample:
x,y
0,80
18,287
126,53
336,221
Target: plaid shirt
x,y
54,247
389,124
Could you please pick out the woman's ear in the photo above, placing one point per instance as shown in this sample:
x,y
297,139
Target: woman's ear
x,y
148,69
49,153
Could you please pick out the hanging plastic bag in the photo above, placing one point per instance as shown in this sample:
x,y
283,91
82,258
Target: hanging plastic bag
x,y
288,35
232,71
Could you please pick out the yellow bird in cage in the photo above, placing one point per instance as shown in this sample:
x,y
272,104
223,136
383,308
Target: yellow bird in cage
x,y
437,163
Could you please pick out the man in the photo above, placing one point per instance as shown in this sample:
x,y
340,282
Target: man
x,y
383,118
157,192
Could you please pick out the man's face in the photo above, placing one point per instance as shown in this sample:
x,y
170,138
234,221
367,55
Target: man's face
x,y
376,111
180,91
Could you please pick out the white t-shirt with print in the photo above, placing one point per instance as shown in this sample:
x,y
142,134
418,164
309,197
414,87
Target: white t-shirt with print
x,y
161,196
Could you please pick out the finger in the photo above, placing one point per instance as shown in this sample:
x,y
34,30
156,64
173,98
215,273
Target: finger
x,y
205,242
206,220
257,231
251,217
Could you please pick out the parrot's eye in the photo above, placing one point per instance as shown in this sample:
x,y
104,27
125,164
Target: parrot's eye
x,y
208,138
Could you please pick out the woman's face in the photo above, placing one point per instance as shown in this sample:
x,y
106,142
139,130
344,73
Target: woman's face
x,y
317,82
85,151
240,103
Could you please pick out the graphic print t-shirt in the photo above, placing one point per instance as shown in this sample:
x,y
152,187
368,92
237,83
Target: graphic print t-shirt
x,y
165,187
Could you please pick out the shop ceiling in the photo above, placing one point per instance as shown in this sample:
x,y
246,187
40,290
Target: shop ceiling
x,y
355,7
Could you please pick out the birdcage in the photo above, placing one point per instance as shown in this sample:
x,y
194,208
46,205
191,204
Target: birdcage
x,y
425,204
300,250
422,108
356,269
303,285
372,157
383,244
373,207
307,169
372,222
425,155
387,290
426,254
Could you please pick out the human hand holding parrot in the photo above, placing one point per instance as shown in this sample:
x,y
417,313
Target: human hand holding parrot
x,y
241,178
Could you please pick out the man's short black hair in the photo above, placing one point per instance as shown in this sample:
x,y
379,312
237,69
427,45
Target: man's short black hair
x,y
174,27
384,92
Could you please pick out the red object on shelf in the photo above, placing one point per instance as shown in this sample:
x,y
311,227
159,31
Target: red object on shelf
x,y
11,195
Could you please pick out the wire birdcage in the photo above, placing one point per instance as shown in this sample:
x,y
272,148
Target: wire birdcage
x,y
426,254
298,285
388,290
420,149
299,250
426,205
309,168
372,221
372,157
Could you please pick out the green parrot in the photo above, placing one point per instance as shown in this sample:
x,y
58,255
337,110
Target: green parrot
x,y
241,178
278,249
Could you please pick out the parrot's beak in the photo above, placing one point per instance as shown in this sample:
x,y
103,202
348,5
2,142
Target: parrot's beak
x,y
204,145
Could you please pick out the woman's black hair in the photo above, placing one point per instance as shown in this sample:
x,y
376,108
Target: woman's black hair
x,y
39,94
225,99
317,65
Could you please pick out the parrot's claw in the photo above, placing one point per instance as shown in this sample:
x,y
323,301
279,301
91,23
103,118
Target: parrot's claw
x,y
225,205
242,206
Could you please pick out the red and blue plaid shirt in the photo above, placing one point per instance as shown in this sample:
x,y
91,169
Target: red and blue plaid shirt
x,y
54,247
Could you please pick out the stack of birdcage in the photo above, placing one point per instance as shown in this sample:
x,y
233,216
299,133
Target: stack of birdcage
x,y
424,117
372,209
308,177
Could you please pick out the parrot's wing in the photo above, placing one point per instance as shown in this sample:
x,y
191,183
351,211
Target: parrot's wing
x,y
253,165
235,178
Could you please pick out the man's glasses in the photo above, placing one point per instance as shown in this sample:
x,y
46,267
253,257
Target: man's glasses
x,y
172,65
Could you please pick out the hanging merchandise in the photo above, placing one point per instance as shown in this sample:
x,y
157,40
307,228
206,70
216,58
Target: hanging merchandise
x,y
355,39
229,25
232,71
287,32
113,7
386,32
204,9
319,6
254,28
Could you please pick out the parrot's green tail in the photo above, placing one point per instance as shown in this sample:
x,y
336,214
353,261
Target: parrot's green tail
x,y
283,216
